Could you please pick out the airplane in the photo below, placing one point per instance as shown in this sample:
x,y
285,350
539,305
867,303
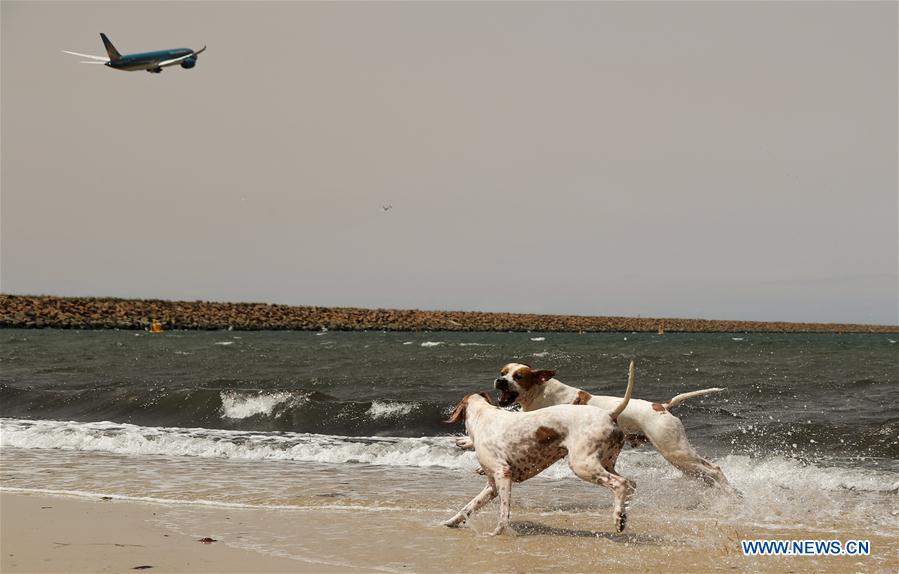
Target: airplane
x,y
152,62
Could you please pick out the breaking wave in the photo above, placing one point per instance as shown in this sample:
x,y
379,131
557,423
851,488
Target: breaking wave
x,y
299,410
751,474
130,439
237,405
386,410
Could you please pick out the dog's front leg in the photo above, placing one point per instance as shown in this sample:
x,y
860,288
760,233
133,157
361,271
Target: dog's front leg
x,y
477,502
465,443
503,480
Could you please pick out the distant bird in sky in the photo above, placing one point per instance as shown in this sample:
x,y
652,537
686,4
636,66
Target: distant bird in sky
x,y
386,208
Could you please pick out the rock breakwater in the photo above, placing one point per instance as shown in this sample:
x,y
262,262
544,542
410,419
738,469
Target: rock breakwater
x,y
27,311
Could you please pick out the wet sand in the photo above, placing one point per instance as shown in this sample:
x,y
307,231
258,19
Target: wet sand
x,y
63,534
43,533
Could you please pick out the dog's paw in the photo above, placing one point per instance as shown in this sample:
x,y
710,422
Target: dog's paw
x,y
620,522
456,521
465,443
504,529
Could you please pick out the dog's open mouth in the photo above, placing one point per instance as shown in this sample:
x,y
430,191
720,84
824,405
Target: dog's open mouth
x,y
507,398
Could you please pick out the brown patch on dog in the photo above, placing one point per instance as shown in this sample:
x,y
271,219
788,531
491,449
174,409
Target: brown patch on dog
x,y
611,449
583,397
527,377
616,440
659,408
547,435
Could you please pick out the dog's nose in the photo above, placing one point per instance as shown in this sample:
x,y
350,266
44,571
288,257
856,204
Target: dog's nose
x,y
501,384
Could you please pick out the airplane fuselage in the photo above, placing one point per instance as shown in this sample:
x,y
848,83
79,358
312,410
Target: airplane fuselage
x,y
152,62
147,60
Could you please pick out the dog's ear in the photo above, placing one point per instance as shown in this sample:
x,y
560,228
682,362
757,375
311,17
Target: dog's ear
x,y
544,375
487,398
458,413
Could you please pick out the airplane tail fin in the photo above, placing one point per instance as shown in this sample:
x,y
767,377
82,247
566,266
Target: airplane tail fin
x,y
110,49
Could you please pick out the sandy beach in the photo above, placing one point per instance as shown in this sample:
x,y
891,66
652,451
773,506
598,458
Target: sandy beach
x,y
64,534
44,533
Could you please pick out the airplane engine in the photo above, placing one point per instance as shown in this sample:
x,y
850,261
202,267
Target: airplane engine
x,y
189,63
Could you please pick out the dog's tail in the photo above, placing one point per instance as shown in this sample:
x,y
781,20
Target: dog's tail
x,y
684,396
627,394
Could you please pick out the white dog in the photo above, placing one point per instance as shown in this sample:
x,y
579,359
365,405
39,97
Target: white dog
x,y
642,421
514,446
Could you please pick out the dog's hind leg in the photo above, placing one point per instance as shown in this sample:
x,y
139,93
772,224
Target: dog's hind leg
x,y
694,466
670,439
476,503
591,470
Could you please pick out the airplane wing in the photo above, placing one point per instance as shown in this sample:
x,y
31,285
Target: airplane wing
x,y
180,59
97,58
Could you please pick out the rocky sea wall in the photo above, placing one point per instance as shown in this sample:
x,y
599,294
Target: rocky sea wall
x,y
27,311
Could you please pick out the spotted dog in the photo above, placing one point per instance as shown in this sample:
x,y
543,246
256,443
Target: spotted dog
x,y
642,421
515,446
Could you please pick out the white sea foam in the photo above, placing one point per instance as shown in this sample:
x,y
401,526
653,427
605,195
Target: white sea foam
x,y
792,474
385,410
736,338
538,338
475,345
237,405
764,478
224,343
431,343
241,445
541,354
778,491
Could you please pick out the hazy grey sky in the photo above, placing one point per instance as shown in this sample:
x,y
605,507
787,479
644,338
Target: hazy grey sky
x,y
717,160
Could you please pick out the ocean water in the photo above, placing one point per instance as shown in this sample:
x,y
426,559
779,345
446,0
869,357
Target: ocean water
x,y
295,422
